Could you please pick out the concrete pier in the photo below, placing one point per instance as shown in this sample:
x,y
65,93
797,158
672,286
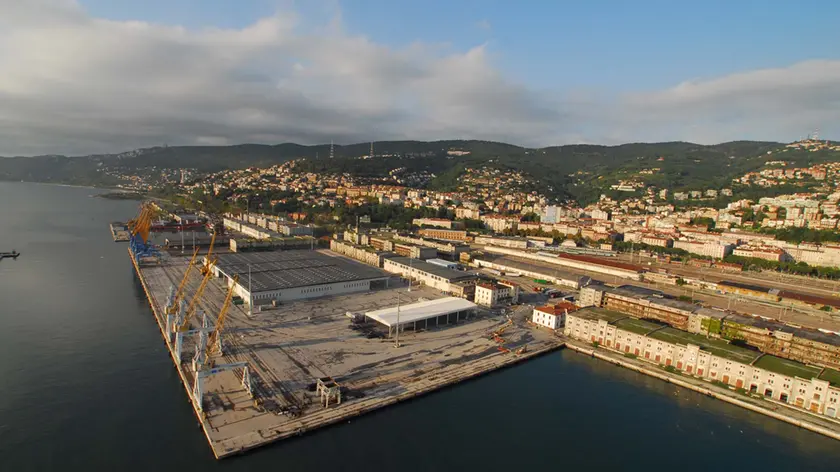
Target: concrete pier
x,y
289,348
119,231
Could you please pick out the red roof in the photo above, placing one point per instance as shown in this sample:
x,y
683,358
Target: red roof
x,y
558,309
595,260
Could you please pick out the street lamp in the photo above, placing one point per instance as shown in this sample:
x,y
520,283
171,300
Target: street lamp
x,y
397,338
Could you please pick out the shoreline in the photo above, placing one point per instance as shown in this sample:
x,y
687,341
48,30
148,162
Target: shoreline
x,y
730,397
54,184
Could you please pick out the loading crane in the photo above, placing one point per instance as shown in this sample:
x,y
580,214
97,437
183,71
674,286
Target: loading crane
x,y
184,323
178,295
206,268
214,343
139,229
200,375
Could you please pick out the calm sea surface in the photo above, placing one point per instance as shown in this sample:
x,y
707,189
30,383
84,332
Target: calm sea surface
x,y
86,384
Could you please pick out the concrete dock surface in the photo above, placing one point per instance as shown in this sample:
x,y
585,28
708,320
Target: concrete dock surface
x,y
287,348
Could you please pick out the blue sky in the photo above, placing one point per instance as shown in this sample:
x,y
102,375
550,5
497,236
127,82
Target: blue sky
x,y
617,44
114,75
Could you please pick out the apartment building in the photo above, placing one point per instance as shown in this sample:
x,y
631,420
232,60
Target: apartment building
x,y
415,252
709,249
761,252
552,316
499,223
438,223
661,241
492,294
444,234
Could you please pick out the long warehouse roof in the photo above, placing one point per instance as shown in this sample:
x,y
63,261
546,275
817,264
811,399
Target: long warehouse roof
x,y
420,311
290,269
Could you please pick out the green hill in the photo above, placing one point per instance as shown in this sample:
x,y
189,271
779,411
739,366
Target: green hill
x,y
575,171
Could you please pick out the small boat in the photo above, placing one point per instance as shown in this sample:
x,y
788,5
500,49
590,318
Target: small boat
x,y
10,255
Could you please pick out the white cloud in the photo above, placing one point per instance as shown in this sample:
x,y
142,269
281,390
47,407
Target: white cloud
x,y
72,83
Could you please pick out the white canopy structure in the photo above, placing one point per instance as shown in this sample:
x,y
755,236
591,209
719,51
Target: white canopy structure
x,y
429,312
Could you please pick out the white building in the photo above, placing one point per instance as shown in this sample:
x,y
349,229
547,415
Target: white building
x,y
550,316
549,214
422,315
432,275
499,223
599,214
491,294
709,249
713,360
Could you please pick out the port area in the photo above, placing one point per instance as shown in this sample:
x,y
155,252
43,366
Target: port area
x,y
119,231
819,424
290,347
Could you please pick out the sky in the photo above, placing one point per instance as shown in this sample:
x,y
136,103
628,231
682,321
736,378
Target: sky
x,y
103,76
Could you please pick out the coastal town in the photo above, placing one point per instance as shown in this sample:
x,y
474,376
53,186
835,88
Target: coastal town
x,y
787,230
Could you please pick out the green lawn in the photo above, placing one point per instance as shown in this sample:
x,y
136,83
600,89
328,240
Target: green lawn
x,y
593,313
714,346
832,376
637,326
786,367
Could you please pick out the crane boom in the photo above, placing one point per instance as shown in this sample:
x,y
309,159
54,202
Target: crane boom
x,y
206,268
142,224
179,294
185,324
212,342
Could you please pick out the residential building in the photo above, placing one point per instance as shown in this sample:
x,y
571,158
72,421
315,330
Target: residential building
x,y
758,252
499,223
492,294
709,249
552,316
438,223
444,234
661,241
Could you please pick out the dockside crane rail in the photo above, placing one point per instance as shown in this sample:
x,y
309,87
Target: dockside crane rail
x,y
214,342
184,324
179,293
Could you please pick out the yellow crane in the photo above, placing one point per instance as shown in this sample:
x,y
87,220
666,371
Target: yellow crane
x,y
213,344
142,224
193,306
206,268
179,294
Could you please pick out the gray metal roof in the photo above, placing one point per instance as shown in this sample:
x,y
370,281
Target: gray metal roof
x,y
532,266
440,271
279,270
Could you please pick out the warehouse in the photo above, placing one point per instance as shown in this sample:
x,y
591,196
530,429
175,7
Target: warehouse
x,y
422,315
432,275
532,269
293,275
577,262
714,360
